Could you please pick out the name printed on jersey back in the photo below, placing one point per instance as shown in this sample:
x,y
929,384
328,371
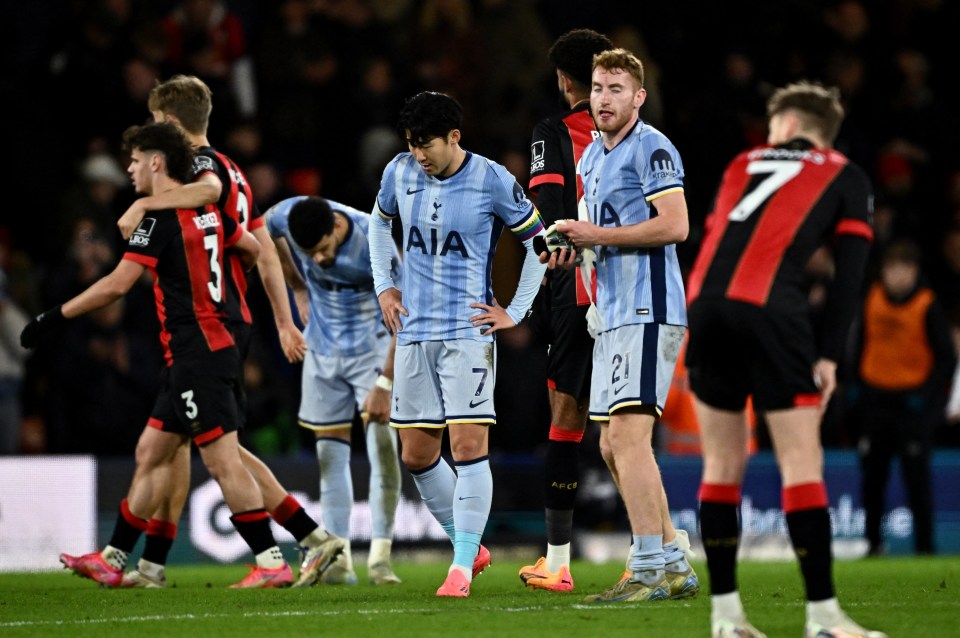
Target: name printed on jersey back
x,y
788,154
207,220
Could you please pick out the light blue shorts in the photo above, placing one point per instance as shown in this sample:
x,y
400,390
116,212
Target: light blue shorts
x,y
440,383
331,388
633,366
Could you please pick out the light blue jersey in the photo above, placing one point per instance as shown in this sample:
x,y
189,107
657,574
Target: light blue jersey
x,y
450,231
345,317
620,186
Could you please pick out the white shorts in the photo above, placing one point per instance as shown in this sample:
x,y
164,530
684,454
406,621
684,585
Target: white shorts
x,y
439,383
633,366
331,388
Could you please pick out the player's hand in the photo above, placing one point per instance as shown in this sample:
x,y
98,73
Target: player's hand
x,y
580,233
131,218
302,299
392,307
493,316
41,325
293,344
825,376
565,258
377,405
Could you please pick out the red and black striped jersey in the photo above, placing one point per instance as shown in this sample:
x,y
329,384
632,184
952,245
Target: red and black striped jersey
x,y
774,208
236,201
558,143
183,249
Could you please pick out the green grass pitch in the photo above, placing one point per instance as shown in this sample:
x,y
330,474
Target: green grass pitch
x,y
902,596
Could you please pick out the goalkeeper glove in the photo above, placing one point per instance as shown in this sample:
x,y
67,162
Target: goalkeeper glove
x,y
42,323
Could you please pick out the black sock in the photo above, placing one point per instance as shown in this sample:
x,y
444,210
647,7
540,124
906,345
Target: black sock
x,y
720,532
127,529
561,474
810,535
254,527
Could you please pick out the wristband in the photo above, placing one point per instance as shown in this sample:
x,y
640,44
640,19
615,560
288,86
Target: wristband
x,y
384,383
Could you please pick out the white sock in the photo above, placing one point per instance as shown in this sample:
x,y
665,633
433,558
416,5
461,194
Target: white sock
x,y
379,551
271,558
558,556
726,607
315,537
116,558
153,570
825,612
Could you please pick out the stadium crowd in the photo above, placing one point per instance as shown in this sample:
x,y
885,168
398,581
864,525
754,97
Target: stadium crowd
x,y
306,95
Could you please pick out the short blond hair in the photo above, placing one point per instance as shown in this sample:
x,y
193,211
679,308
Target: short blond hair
x,y
622,60
187,98
817,106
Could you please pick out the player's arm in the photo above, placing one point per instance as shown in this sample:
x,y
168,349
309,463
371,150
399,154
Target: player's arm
x,y
272,276
242,242
382,249
377,404
205,190
102,293
294,279
670,225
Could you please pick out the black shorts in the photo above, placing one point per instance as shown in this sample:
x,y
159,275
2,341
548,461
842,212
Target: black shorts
x,y
570,347
242,335
736,349
198,396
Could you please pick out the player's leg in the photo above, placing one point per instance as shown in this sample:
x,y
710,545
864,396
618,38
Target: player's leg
x,y
327,407
418,415
719,359
155,450
466,373
221,456
150,572
384,498
724,441
568,376
795,434
633,398
319,547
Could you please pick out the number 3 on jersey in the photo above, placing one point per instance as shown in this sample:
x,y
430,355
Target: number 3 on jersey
x,y
778,173
215,285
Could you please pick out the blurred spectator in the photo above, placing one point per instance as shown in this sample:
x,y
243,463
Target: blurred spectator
x,y
205,39
512,75
905,358
12,322
297,70
445,50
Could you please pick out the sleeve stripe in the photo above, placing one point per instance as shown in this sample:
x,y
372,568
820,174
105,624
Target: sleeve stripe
x,y
548,178
664,191
143,260
256,223
855,227
383,213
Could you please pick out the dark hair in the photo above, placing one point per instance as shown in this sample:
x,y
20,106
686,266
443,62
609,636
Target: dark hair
x,y
165,138
310,220
573,53
428,115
